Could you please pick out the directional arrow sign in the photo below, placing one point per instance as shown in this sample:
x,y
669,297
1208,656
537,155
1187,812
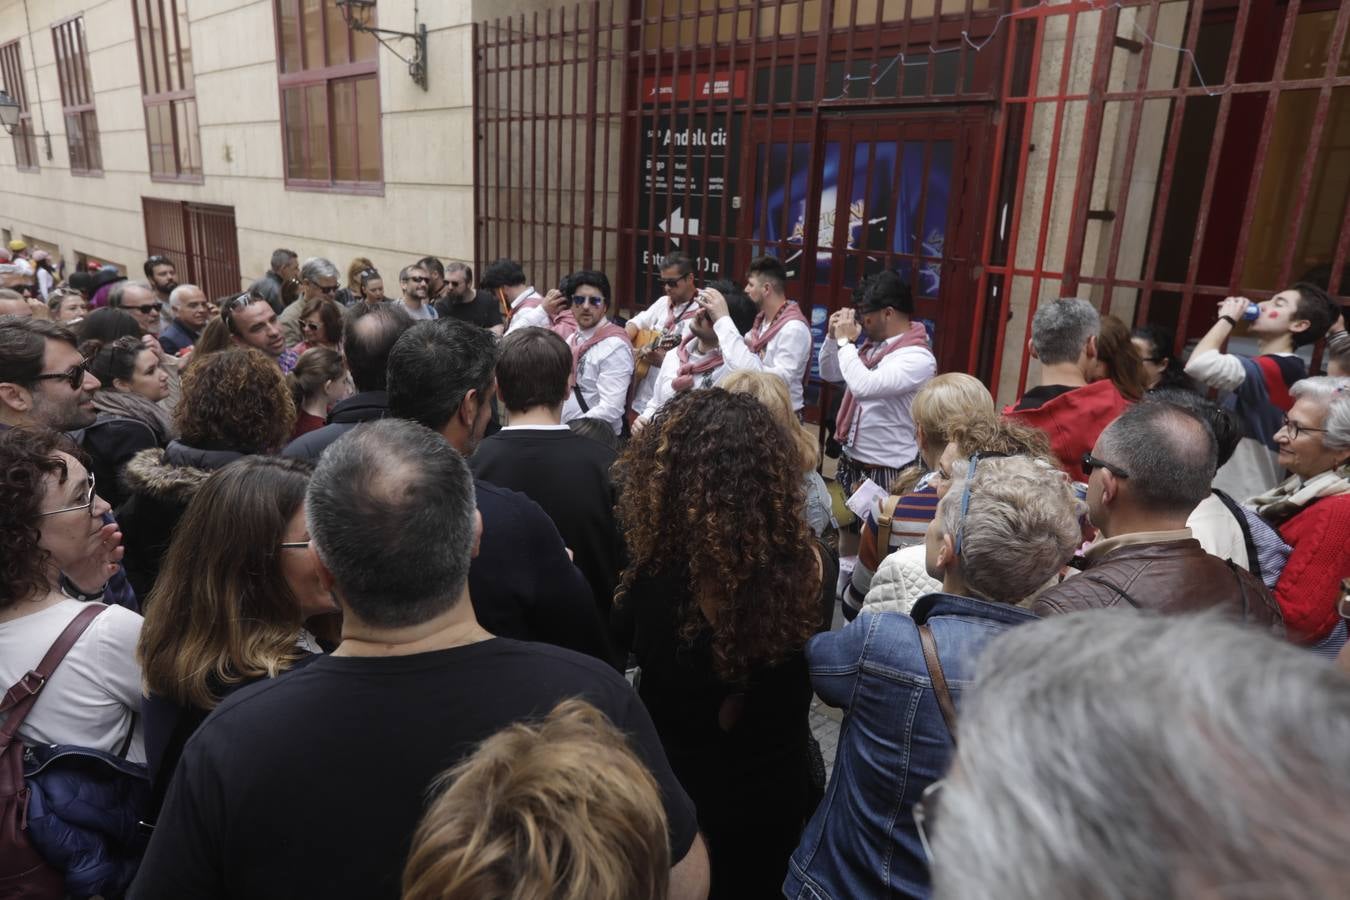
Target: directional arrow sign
x,y
676,223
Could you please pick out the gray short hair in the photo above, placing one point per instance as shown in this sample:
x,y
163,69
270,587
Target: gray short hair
x,y
1169,454
1334,394
1114,754
1061,329
176,295
317,267
281,256
120,288
391,512
1021,525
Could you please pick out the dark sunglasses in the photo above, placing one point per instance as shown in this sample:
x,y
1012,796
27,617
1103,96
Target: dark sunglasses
x,y
147,308
74,376
672,282
975,459
309,326
331,289
422,278
1091,462
583,299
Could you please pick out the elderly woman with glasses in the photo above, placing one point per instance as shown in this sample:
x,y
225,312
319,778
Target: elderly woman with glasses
x,y
1311,510
321,324
1004,527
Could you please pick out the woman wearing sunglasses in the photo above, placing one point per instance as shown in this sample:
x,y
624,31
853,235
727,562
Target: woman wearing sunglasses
x,y
320,324
228,612
1311,510
131,385
1004,527
602,353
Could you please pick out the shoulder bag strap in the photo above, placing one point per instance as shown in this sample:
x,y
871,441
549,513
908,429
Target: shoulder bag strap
x,y
939,679
19,699
1253,559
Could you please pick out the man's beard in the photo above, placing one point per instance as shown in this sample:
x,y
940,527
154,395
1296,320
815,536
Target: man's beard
x,y
63,416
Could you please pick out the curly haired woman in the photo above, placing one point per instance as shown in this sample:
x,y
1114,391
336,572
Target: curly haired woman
x,y
724,587
234,403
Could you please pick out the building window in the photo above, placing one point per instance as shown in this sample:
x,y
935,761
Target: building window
x,y
77,96
330,98
168,89
11,74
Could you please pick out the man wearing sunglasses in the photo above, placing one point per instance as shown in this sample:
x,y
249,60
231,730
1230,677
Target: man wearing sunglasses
x,y
602,353
318,278
1148,470
413,281
666,321
139,299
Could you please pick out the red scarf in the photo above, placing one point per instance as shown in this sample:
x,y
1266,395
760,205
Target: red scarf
x,y
685,379
757,340
871,356
691,309
607,329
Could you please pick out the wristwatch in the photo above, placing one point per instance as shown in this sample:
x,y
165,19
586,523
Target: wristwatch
x,y
842,342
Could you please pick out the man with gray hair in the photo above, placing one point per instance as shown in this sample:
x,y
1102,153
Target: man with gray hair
x,y
140,300
333,762
279,287
1069,408
1149,469
1112,755
189,313
318,278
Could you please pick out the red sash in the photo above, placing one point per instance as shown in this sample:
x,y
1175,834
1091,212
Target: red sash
x,y
690,310
685,379
871,356
606,330
759,339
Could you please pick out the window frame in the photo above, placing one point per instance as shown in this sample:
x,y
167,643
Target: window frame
x,y
76,81
326,76
168,99
24,135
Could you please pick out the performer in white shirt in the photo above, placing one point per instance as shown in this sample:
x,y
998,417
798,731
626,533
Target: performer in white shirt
x,y
669,317
697,362
779,341
874,425
522,305
602,353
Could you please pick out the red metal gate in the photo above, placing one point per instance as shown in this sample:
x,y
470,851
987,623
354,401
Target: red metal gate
x,y
199,238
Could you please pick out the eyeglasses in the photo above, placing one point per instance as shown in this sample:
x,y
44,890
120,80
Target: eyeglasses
x,y
583,299
925,813
309,326
1296,429
74,376
147,308
1091,462
419,278
294,545
965,494
87,504
330,289
672,282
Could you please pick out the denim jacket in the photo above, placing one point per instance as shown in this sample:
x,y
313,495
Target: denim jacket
x,y
893,743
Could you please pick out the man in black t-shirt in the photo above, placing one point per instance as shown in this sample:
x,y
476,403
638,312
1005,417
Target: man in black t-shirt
x,y
312,784
565,473
460,301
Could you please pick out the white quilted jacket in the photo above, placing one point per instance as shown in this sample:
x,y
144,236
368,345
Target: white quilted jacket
x,y
901,579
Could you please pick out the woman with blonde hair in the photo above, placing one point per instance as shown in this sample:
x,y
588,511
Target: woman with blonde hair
x,y
352,293
770,390
905,514
227,612
560,809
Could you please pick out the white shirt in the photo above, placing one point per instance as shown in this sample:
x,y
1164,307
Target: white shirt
x,y
44,279
92,696
603,375
654,318
670,368
534,317
786,356
1213,525
882,432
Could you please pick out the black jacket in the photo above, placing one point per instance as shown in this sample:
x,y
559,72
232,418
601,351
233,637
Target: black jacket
x,y
367,406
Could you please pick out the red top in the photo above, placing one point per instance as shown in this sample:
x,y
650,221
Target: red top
x,y
1310,583
1074,420
305,423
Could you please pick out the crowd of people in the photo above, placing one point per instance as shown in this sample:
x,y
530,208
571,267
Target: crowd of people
x,y
465,590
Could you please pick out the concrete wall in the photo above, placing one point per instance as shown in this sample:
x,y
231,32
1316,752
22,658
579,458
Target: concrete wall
x,y
427,201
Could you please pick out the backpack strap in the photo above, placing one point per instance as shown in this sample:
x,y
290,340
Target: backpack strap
x,y
20,698
1253,560
1113,586
938,678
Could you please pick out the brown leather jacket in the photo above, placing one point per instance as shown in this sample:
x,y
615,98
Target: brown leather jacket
x,y
1169,577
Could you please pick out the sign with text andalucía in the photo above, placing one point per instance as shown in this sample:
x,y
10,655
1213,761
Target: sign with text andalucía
x,y
693,86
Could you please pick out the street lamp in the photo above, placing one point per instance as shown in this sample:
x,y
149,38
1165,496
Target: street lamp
x,y
9,112
356,13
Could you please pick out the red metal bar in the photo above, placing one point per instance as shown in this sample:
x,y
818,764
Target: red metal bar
x,y
610,36
593,92
518,115
1263,144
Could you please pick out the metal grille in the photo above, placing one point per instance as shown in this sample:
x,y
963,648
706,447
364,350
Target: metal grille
x,y
200,239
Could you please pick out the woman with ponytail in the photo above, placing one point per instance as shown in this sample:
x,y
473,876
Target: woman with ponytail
x,y
318,381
